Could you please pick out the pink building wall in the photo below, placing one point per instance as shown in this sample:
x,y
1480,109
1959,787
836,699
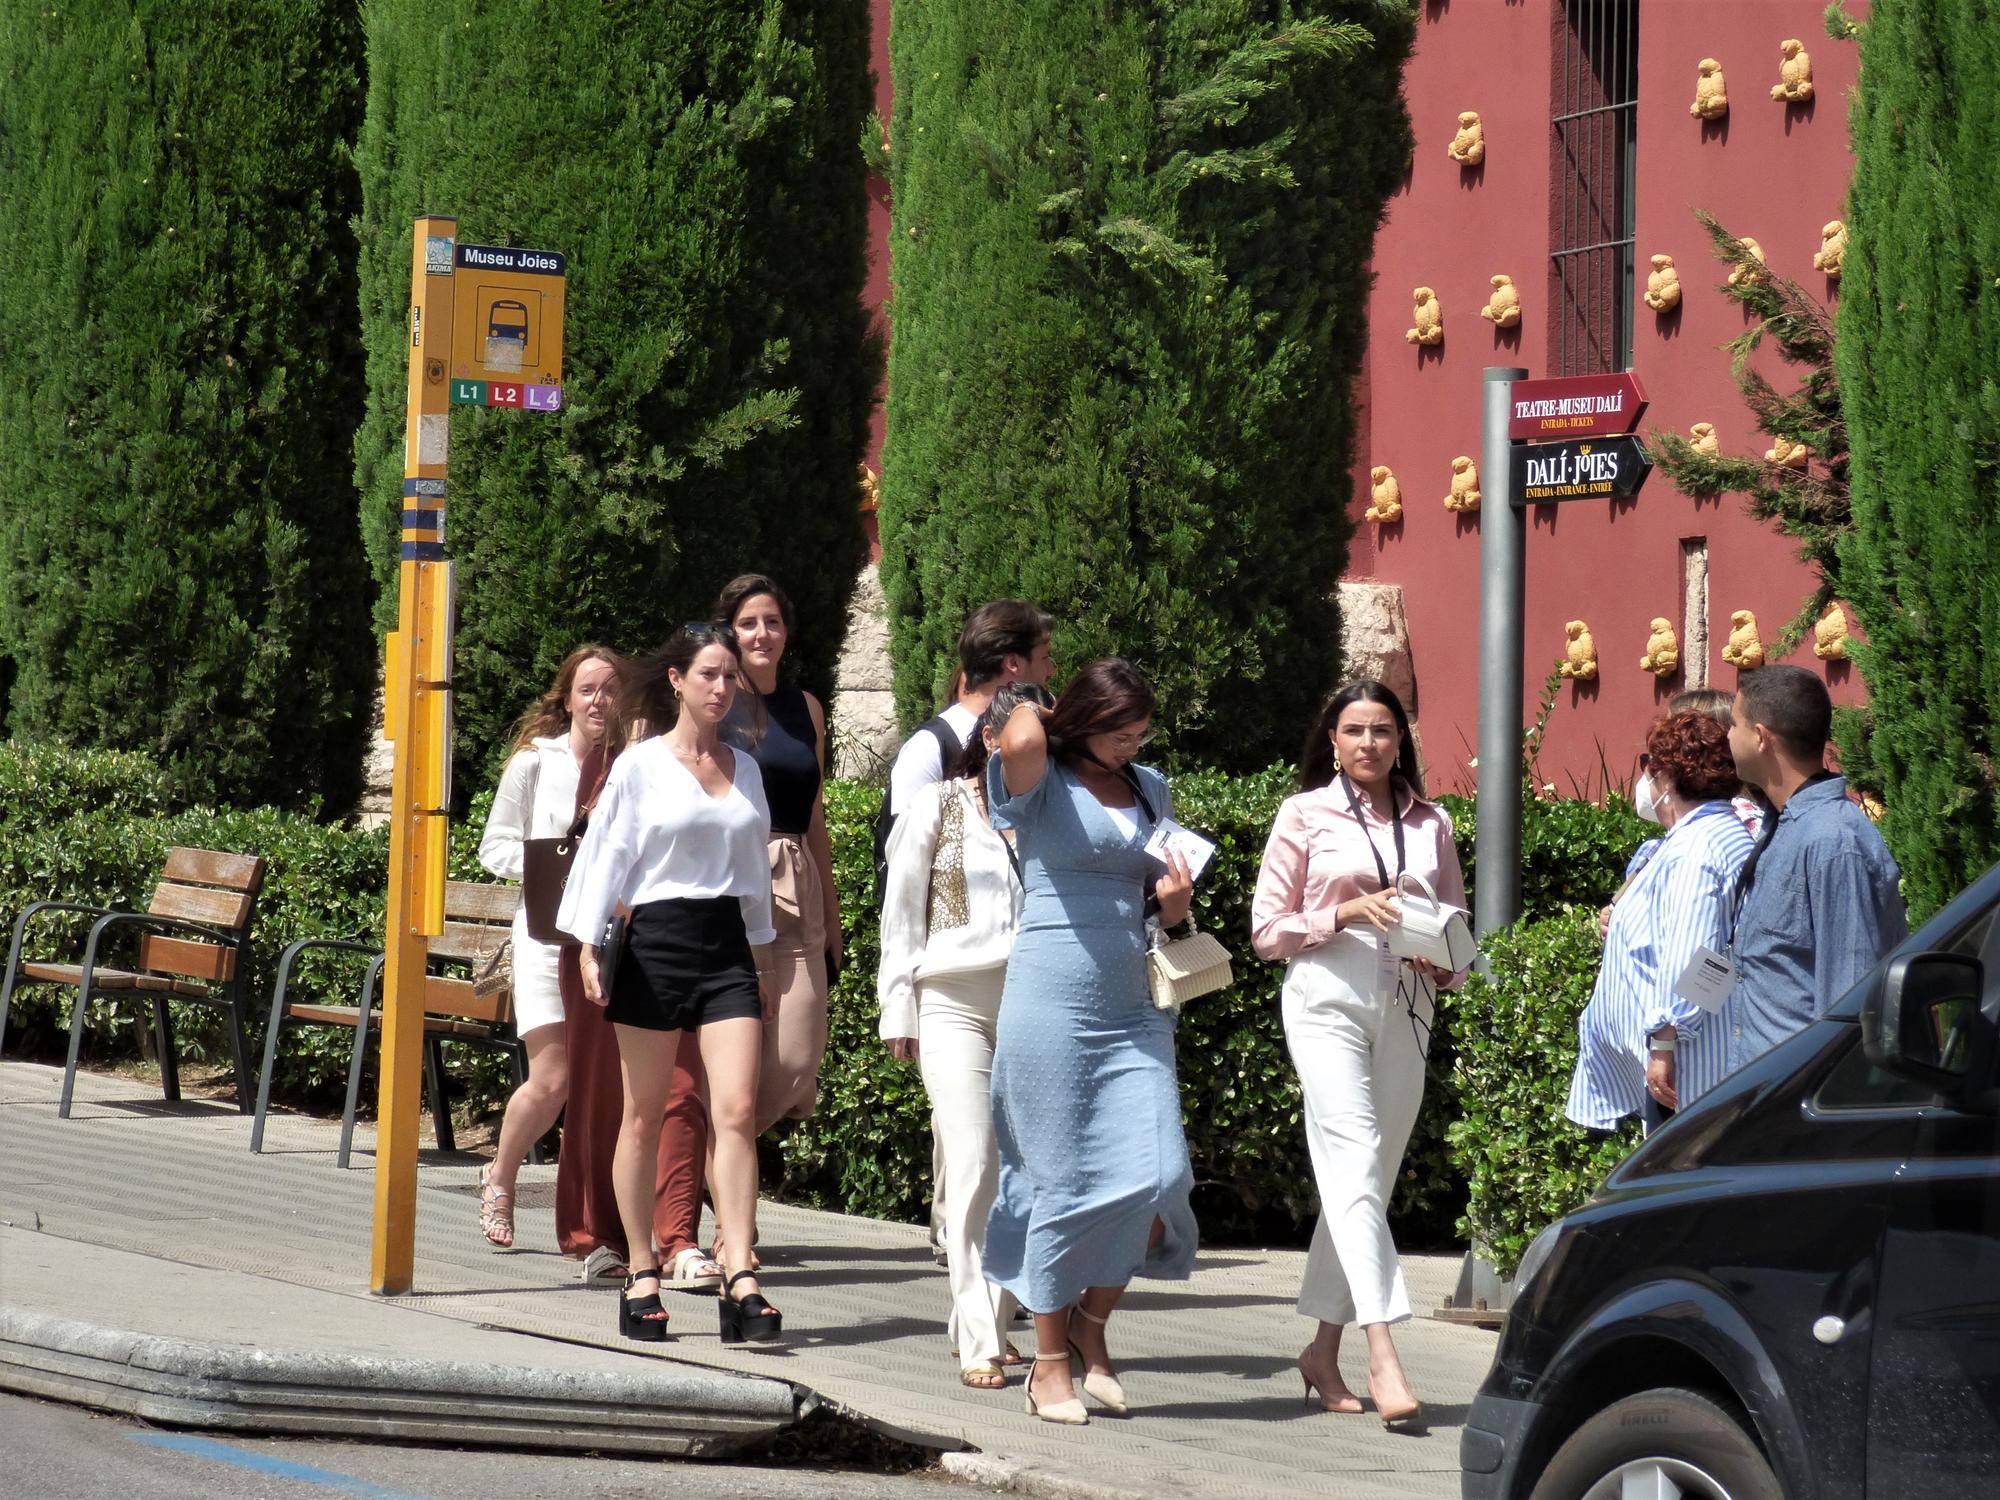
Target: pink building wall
x,y
1772,172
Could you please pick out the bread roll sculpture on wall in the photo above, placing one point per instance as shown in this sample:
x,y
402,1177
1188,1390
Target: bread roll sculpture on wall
x,y
1663,285
1429,319
1830,634
1745,650
1750,265
1385,497
1468,147
1464,494
1503,308
1663,649
1832,252
1794,85
1711,95
1787,454
1706,443
1579,652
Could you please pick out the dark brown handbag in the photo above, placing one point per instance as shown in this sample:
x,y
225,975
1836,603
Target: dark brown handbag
x,y
544,868
545,862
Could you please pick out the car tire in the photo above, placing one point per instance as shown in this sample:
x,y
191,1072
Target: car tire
x,y
1674,1441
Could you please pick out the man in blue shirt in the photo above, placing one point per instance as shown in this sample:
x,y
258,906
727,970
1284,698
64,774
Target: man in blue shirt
x,y
1818,904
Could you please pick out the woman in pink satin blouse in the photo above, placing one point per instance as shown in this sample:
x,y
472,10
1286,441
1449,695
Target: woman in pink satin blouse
x,y
1357,1018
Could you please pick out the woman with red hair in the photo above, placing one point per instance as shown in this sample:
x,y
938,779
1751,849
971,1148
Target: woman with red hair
x,y
1643,1047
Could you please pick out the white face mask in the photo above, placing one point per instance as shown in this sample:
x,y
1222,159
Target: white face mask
x,y
1644,801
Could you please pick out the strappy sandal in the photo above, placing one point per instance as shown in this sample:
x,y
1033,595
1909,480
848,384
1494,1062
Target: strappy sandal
x,y
642,1318
496,1213
1103,1389
750,1321
692,1270
984,1376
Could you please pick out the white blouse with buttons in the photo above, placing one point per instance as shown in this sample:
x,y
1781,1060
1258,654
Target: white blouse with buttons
x,y
657,835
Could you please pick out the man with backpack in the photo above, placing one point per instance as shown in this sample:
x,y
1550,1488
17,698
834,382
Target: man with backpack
x,y
1004,641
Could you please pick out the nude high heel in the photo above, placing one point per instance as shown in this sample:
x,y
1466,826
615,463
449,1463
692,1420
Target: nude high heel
x,y
1312,1378
1068,1413
1103,1389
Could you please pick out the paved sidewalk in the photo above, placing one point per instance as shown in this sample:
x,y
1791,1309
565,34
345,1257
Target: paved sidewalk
x,y
1217,1409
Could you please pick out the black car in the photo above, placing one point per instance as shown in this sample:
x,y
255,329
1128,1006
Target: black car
x,y
1793,1288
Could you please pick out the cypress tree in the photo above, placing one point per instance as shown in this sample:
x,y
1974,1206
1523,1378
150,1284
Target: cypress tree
x,y
1131,248
1918,327
697,164
179,384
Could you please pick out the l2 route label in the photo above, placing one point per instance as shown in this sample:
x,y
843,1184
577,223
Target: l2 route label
x,y
506,393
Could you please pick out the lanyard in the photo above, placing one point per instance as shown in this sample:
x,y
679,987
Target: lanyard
x,y
1396,816
1748,875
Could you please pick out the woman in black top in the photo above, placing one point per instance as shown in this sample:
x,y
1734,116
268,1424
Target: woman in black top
x,y
789,746
783,728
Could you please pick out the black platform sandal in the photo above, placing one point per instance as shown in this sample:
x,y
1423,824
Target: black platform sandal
x,y
751,1321
642,1318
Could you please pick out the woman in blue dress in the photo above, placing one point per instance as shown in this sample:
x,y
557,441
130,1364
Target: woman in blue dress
x,y
1094,1174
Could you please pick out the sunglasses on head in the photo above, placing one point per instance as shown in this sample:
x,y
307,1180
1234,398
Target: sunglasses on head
x,y
707,630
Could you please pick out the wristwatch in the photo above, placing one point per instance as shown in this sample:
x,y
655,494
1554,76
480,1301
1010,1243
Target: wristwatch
x,y
1662,1045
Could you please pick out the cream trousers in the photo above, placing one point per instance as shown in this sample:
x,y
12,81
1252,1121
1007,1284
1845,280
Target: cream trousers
x,y
1360,1059
956,1017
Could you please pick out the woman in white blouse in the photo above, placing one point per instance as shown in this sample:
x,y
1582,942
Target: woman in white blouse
x,y
680,840
949,910
574,722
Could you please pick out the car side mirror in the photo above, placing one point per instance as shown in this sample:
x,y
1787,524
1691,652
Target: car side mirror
x,y
1925,1023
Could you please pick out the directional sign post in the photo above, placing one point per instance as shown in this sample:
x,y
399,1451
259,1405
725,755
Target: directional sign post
x,y
486,328
1576,448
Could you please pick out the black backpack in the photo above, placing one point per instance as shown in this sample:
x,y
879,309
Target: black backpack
x,y
951,753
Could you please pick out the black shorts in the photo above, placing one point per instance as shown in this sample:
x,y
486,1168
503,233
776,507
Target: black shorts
x,y
686,963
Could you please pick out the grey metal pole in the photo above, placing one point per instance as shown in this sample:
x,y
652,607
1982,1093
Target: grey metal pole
x,y
1502,582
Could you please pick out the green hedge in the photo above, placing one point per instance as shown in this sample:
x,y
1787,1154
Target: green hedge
x,y
867,1150
324,881
1524,1164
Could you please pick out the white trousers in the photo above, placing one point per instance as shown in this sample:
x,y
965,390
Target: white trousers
x,y
1360,1060
956,1018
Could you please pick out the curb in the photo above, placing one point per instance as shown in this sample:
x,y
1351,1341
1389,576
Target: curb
x,y
664,1410
1029,1476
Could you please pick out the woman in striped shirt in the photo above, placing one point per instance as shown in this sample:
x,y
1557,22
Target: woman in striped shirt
x,y
1642,1048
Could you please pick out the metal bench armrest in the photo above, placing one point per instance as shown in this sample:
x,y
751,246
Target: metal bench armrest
x,y
28,913
117,919
307,945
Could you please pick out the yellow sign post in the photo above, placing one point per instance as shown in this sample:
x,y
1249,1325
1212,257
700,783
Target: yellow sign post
x,y
508,306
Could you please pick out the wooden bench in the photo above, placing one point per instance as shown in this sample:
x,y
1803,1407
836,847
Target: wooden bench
x,y
478,919
194,938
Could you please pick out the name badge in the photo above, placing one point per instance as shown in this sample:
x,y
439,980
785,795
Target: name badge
x,y
1707,980
1385,965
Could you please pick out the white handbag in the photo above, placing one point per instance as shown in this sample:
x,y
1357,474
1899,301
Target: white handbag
x,y
1187,968
1431,930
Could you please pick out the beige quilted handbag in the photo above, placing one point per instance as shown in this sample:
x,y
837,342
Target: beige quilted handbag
x,y
1186,968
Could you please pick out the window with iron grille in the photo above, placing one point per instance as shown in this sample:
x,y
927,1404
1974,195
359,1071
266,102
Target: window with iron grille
x,y
1594,145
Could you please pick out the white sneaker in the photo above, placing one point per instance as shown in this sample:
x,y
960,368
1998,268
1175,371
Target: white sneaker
x,y
603,1264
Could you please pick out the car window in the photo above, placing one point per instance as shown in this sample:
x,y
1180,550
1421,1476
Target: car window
x,y
1857,1083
